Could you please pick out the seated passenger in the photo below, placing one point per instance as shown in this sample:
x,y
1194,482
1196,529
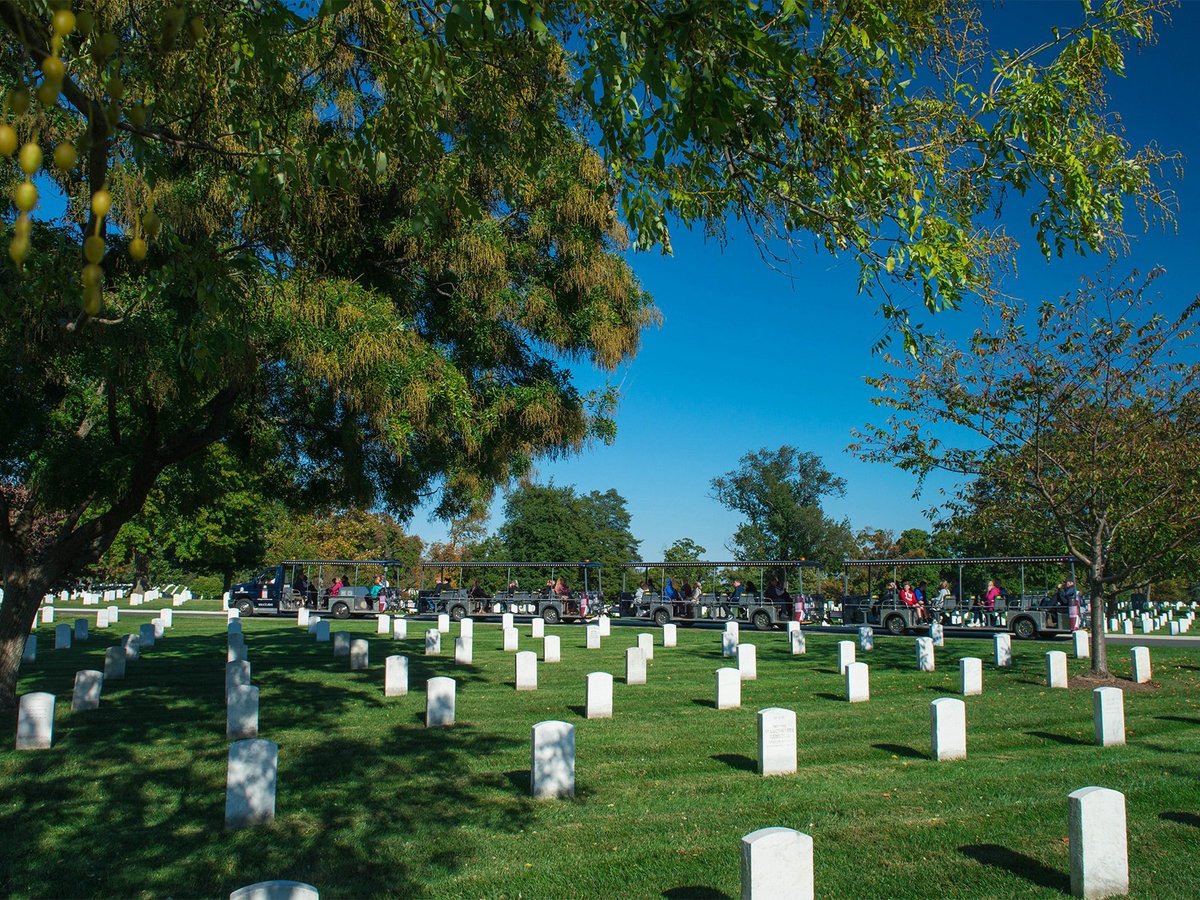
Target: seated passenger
x,y
669,592
738,589
679,608
641,591
560,588
751,587
513,587
336,587
477,592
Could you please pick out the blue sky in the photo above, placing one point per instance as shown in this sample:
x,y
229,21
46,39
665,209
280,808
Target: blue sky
x,y
748,358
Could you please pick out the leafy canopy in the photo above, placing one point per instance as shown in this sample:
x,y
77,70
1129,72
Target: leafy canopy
x,y
1077,419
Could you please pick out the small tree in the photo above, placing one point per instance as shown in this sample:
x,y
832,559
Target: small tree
x,y
1083,425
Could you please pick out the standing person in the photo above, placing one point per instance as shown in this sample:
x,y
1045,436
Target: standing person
x,y
989,601
1070,600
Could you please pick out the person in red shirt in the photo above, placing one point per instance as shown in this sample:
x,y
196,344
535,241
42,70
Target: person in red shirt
x,y
989,602
909,598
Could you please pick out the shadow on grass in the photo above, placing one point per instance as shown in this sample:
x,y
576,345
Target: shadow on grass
x,y
156,755
580,711
736,761
1018,864
1060,738
704,701
1183,818
695,892
1185,719
825,695
901,750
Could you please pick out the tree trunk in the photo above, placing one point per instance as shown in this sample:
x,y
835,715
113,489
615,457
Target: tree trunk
x,y
1099,637
23,592
228,581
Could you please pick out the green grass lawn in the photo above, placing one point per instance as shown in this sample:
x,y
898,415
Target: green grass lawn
x,y
130,800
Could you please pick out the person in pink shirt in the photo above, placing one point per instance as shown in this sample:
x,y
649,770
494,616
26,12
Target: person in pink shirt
x,y
989,601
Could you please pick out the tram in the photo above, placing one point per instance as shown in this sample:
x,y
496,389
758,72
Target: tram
x,y
729,592
1035,611
495,588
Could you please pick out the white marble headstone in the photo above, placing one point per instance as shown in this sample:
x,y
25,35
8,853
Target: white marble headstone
x,y
970,676
776,741
729,688
858,682
29,654
604,623
777,863
62,637
114,663
866,638
593,637
395,677
341,643
1099,844
845,655
645,642
599,695
276,890
383,624
443,623
360,650
729,645
1139,658
1082,644
464,650
511,638
948,729
88,684
35,721
1108,716
433,642
132,645
241,712
925,660
526,670
1002,650
322,633
439,701
466,628
1056,669
539,627
250,783
552,760
799,644
551,649
635,666
399,628
670,635
81,629
747,657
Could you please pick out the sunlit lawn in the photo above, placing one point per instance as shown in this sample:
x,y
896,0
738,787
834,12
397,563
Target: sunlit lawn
x,y
130,800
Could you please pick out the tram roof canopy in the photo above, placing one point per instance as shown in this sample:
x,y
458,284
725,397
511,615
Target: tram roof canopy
x,y
434,564
344,562
964,561
736,564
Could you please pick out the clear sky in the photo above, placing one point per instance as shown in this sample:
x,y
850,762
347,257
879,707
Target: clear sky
x,y
748,358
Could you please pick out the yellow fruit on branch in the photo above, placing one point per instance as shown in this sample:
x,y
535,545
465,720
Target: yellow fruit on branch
x,y
92,276
92,300
65,156
18,248
31,158
18,100
53,68
101,203
138,249
93,249
25,196
63,22
8,140
151,223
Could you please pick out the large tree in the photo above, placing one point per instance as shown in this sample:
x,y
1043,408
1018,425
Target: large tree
x,y
373,234
378,283
780,494
1080,417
